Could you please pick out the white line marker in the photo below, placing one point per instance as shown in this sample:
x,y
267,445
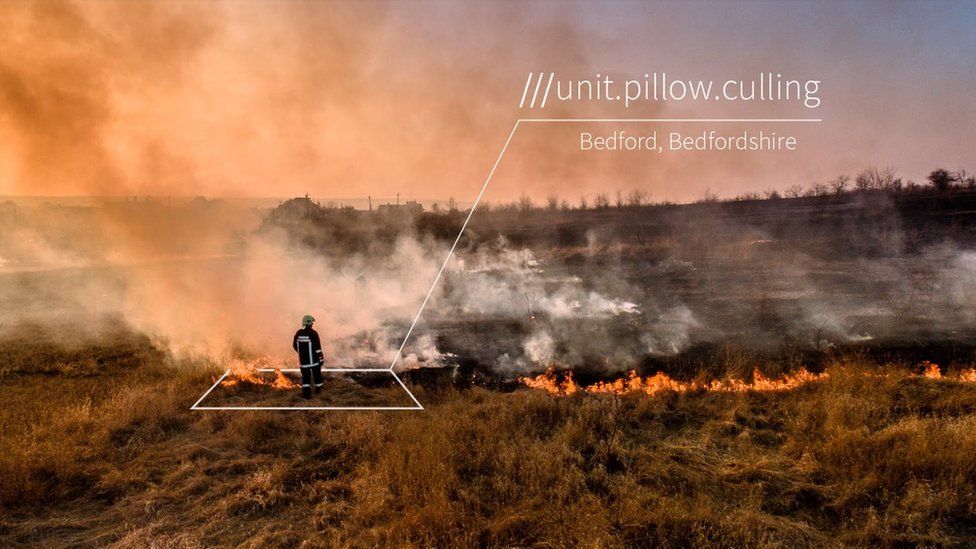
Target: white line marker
x,y
545,96
453,246
212,387
196,405
535,93
361,408
670,120
272,370
405,389
525,92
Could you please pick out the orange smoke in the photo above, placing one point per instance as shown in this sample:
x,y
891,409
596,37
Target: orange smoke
x,y
564,385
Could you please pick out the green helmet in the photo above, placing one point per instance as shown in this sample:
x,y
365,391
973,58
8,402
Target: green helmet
x,y
307,320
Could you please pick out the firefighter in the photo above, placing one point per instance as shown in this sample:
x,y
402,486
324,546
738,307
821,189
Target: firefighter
x,y
309,349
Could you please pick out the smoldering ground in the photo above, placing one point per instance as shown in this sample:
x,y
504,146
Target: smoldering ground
x,y
620,288
602,291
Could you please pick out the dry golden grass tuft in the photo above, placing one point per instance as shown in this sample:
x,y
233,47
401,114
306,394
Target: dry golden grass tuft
x,y
117,458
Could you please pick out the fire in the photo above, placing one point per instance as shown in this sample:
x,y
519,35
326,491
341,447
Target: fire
x,y
550,383
634,383
247,373
932,370
564,385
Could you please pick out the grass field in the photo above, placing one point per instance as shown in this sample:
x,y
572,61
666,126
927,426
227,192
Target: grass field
x,y
100,447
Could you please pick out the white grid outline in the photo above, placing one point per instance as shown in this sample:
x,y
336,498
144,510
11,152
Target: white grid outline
x,y
196,405
474,205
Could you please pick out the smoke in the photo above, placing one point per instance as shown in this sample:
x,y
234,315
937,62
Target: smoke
x,y
208,278
540,348
510,283
569,320
253,99
671,331
201,280
354,98
958,281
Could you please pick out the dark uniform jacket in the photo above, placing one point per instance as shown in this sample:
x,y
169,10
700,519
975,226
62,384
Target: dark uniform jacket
x,y
308,346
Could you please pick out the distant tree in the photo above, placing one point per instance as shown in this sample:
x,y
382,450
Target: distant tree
x,y
601,201
887,179
452,206
793,191
748,196
872,178
839,183
565,206
583,205
638,197
552,201
620,199
771,194
964,179
525,204
435,207
941,179
707,196
864,180
817,189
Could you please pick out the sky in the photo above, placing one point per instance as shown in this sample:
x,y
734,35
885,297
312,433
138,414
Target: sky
x,y
342,100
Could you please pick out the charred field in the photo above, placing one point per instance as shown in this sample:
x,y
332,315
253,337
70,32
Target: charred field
x,y
871,294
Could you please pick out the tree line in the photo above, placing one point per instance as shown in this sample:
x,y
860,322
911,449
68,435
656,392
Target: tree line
x,y
870,179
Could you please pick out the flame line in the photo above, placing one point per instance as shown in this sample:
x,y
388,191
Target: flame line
x,y
563,384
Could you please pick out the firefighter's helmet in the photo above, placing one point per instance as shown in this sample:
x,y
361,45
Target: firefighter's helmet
x,y
307,321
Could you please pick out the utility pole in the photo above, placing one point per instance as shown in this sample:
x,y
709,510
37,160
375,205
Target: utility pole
x,y
398,200
370,198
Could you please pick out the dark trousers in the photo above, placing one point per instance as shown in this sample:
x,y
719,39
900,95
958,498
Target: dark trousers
x,y
311,375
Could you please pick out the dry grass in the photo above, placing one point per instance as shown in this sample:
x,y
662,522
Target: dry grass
x,y
115,457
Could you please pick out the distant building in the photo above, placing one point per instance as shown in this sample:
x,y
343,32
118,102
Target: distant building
x,y
409,208
297,209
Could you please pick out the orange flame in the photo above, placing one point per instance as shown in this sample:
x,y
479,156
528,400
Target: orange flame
x,y
550,383
932,370
247,373
564,384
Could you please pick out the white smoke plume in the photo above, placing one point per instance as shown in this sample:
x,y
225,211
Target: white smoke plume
x,y
670,333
